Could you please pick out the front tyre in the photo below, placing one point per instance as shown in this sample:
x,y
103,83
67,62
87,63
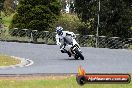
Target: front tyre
x,y
79,54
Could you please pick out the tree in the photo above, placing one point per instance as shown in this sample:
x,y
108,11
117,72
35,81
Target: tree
x,y
36,14
1,1
87,12
8,7
1,8
115,16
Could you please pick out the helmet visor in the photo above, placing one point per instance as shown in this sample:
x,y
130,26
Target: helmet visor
x,y
59,32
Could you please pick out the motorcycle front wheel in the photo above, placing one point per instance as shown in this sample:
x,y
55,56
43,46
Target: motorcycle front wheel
x,y
79,54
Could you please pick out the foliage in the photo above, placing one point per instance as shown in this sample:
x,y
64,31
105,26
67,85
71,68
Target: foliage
x,y
8,7
72,23
1,4
69,22
115,16
1,1
36,14
85,28
52,82
6,19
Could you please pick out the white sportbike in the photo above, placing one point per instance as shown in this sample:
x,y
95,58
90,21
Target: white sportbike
x,y
73,47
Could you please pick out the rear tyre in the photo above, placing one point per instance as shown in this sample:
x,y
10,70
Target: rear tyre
x,y
79,54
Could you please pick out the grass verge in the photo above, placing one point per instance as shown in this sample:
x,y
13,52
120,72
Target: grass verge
x,y
6,60
66,82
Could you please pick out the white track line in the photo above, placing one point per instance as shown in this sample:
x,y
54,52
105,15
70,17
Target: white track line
x,y
22,64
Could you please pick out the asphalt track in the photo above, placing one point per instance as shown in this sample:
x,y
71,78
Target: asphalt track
x,y
48,59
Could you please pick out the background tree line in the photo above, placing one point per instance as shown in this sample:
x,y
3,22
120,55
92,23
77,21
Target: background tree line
x,y
36,14
115,16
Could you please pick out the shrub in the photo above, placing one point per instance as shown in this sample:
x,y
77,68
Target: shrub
x,y
36,14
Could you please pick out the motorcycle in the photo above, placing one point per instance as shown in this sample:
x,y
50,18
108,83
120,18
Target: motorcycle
x,y
73,47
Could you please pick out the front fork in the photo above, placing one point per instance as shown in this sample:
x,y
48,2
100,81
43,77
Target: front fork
x,y
73,50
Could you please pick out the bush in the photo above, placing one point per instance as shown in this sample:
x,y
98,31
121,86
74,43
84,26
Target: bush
x,y
68,22
72,23
36,14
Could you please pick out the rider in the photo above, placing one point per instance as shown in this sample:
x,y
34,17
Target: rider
x,y
60,39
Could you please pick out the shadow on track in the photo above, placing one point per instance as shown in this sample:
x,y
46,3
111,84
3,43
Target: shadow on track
x,y
69,59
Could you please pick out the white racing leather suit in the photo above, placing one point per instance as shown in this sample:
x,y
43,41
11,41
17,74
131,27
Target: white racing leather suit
x,y
60,38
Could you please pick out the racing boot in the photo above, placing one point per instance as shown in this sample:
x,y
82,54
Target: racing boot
x,y
65,51
68,53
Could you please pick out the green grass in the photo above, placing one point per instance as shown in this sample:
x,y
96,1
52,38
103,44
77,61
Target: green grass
x,y
57,83
6,60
